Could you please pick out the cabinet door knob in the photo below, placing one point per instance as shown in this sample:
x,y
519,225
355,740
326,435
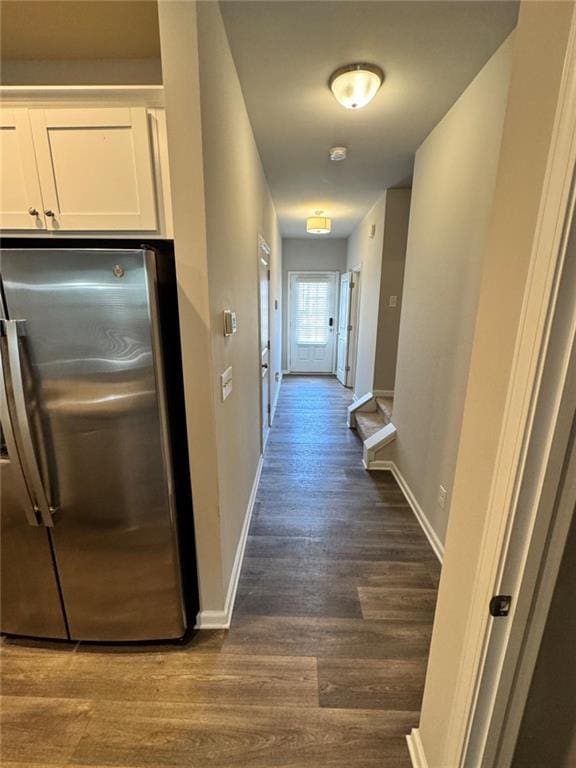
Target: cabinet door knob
x,y
49,212
33,211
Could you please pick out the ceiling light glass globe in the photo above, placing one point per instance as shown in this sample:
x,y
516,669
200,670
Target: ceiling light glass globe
x,y
356,85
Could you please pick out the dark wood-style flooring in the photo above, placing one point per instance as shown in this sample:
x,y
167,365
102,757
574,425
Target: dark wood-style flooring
x,y
323,666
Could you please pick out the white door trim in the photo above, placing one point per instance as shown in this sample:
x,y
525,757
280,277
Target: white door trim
x,y
355,298
336,276
346,278
530,353
264,254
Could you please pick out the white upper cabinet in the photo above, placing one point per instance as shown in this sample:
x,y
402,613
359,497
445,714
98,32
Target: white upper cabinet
x,y
95,167
20,196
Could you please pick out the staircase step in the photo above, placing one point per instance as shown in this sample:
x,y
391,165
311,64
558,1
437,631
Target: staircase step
x,y
384,405
369,422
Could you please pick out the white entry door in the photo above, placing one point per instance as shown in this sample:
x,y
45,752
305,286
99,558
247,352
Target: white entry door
x,y
312,321
342,366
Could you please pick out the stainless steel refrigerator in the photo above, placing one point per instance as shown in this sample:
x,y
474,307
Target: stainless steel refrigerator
x,y
96,532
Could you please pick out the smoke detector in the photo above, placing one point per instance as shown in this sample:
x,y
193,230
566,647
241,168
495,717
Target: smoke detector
x,y
337,154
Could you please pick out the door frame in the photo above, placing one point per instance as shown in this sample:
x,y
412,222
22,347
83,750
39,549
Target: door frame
x,y
264,256
478,687
336,275
348,278
355,298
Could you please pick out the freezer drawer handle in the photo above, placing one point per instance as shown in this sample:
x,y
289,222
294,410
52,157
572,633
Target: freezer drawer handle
x,y
15,461
13,329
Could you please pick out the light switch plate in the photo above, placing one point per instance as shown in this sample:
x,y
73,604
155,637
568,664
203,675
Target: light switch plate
x,y
230,325
393,301
226,383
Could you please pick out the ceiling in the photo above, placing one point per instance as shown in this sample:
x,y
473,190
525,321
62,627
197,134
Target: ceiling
x,y
79,29
285,53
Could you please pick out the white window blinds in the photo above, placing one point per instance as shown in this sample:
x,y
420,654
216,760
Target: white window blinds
x,y
313,310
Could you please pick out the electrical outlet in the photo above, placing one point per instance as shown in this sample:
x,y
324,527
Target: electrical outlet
x,y
442,497
226,383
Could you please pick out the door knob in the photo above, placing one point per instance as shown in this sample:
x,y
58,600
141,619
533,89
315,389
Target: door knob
x,y
264,365
33,211
49,212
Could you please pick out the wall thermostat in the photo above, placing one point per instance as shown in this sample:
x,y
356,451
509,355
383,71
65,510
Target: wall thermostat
x,y
230,326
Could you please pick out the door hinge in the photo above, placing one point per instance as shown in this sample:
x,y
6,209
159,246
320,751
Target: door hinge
x,y
269,408
352,285
500,605
268,275
268,343
347,368
349,328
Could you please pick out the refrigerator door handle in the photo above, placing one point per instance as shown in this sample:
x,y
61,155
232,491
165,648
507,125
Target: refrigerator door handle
x,y
13,455
13,329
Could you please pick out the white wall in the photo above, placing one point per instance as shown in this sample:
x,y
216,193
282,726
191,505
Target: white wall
x,y
453,187
366,252
312,254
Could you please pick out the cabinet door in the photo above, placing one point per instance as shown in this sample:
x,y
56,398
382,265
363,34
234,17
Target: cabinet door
x,y
20,198
95,168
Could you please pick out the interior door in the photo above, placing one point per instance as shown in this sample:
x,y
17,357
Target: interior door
x,y
342,367
312,321
20,198
264,280
95,168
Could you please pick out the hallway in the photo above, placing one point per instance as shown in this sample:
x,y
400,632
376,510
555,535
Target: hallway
x,y
325,661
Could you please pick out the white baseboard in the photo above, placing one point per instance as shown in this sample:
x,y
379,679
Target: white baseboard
x,y
430,533
222,619
276,396
416,749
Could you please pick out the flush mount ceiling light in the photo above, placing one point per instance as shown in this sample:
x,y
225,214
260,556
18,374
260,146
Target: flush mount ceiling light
x,y
318,224
337,154
355,85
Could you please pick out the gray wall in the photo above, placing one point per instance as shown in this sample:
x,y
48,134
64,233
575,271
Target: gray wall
x,y
299,254
453,187
366,252
548,731
381,260
537,60
391,284
238,208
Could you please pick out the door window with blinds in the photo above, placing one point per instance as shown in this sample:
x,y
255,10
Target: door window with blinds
x,y
312,307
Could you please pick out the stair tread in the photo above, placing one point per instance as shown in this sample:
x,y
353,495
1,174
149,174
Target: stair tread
x,y
384,405
369,422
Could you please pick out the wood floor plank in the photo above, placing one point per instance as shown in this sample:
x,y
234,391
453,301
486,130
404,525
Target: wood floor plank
x,y
243,737
169,676
361,684
348,638
42,730
399,604
344,575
